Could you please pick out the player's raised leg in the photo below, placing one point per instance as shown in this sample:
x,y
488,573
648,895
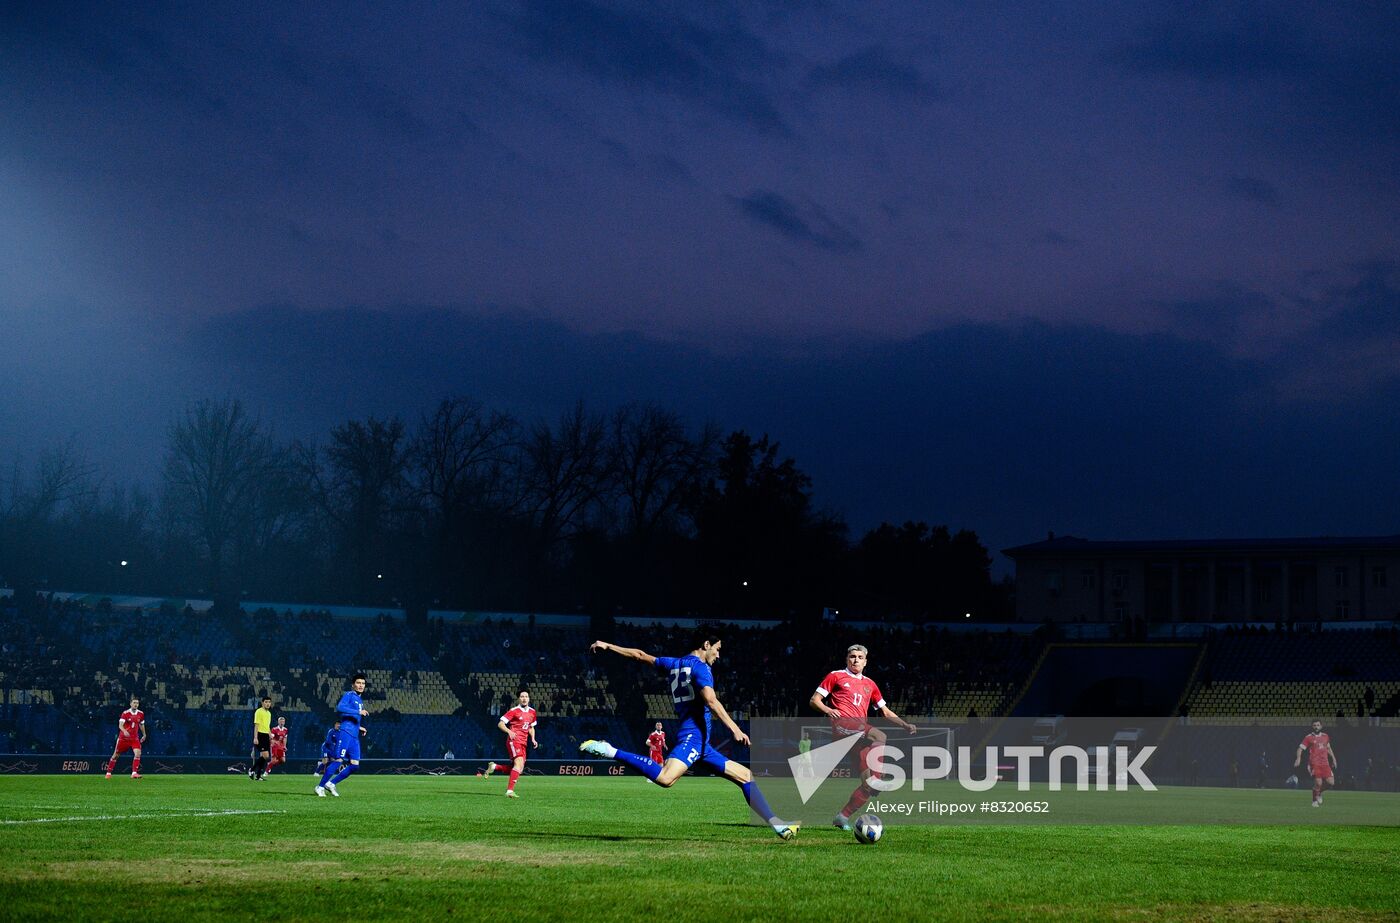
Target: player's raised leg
x,y
742,776
656,773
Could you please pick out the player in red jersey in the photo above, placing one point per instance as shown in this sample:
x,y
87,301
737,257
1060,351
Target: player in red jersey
x,y
519,726
279,745
846,696
131,734
1322,762
656,745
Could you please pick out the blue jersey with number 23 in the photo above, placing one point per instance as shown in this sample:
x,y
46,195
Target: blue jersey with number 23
x,y
687,676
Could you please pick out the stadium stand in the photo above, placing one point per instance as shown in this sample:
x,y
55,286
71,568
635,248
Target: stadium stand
x,y
1347,673
439,683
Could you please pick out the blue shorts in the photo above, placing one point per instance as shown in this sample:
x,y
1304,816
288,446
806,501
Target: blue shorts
x,y
693,745
347,745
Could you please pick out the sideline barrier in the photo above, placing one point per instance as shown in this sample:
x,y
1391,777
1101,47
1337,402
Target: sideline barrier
x,y
87,763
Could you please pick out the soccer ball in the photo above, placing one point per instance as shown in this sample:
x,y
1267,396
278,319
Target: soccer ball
x,y
868,828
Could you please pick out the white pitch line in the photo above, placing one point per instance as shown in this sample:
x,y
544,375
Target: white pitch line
x,y
83,817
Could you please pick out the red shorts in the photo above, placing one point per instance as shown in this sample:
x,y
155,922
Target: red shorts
x,y
658,757
1321,772
279,754
516,749
128,743
845,727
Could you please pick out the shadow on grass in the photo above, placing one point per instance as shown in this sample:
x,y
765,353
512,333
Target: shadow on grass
x,y
604,837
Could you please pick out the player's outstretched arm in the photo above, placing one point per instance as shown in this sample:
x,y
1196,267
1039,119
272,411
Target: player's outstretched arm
x,y
707,695
631,653
889,713
1298,757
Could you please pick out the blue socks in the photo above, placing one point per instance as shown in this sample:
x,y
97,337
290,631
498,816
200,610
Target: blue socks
x,y
344,773
756,801
751,791
334,774
642,764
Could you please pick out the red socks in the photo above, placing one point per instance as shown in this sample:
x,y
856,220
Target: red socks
x,y
858,800
136,764
513,776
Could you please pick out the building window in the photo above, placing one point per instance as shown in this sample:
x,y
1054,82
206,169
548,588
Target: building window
x,y
1088,580
1264,590
1120,611
1120,581
1378,577
1343,608
1339,577
1054,582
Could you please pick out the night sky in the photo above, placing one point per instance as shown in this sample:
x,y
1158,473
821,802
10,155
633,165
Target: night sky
x,y
1117,270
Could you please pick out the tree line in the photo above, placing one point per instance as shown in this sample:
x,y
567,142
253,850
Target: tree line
x,y
631,510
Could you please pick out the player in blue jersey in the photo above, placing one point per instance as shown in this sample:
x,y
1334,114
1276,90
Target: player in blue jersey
x,y
693,694
350,709
328,749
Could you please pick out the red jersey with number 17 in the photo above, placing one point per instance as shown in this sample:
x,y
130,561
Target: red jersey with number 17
x,y
519,721
850,694
129,725
1316,745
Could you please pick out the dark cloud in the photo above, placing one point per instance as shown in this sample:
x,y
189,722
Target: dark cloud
x,y
1008,430
129,49
565,157
1366,310
1333,335
1056,239
1197,48
1322,75
1220,317
876,70
720,68
671,167
807,224
1252,189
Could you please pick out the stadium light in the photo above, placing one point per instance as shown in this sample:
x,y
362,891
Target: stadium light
x,y
746,583
123,563
967,615
379,576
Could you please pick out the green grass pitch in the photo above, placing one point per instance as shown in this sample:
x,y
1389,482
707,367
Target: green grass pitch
x,y
451,847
